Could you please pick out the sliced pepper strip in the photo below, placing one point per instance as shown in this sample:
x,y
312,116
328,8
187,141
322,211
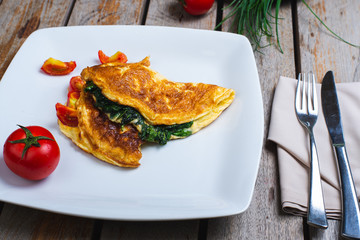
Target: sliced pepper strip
x,y
67,115
53,66
117,57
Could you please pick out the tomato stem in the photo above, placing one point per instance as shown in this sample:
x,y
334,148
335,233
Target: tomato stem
x,y
183,3
29,140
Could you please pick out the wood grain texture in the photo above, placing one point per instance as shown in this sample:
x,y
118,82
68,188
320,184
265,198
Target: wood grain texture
x,y
20,18
103,12
321,52
24,223
332,232
171,13
264,218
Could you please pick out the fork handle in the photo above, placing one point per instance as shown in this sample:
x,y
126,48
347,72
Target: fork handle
x,y
350,205
316,210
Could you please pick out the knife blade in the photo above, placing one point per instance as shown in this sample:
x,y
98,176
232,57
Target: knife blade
x,y
331,109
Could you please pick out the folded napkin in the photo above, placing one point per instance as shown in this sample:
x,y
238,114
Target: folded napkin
x,y
293,147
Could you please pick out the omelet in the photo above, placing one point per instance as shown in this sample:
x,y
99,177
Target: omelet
x,y
123,105
156,103
96,134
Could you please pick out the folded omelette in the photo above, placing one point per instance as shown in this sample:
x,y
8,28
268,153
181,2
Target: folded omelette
x,y
123,105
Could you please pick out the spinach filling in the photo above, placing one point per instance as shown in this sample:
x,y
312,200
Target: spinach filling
x,y
128,115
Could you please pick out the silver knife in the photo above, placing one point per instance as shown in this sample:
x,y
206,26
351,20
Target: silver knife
x,y
350,206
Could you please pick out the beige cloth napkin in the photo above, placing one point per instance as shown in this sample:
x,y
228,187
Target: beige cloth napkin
x,y
293,147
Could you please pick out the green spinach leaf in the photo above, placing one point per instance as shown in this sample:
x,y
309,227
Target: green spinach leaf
x,y
128,115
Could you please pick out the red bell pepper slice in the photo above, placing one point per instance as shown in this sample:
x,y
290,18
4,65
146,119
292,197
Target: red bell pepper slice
x,y
67,115
76,84
117,57
53,66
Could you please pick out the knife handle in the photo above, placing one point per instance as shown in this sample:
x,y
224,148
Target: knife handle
x,y
350,205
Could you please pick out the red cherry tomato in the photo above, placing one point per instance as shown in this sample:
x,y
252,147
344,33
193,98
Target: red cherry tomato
x,y
76,84
67,115
197,7
117,57
31,152
72,99
56,67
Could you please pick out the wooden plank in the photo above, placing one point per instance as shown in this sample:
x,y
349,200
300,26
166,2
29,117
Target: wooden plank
x,y
150,230
332,232
171,13
25,223
89,12
264,218
18,20
321,52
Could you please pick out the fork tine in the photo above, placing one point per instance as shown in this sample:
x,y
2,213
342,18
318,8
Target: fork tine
x,y
315,101
304,90
310,92
312,96
297,94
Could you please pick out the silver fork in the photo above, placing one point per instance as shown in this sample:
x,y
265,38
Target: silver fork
x,y
306,107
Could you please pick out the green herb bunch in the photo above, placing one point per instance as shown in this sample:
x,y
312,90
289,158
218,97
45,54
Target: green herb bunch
x,y
254,19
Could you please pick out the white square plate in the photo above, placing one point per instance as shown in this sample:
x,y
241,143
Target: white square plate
x,y
209,174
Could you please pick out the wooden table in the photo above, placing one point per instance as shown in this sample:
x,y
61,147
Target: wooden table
x,y
307,46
